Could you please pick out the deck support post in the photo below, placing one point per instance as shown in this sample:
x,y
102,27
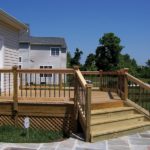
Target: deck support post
x,y
88,111
15,93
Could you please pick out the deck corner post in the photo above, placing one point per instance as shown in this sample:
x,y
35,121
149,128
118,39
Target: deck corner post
x,y
15,88
100,80
125,83
88,111
75,98
76,67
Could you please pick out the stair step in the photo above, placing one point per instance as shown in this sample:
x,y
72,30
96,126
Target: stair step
x,y
114,119
107,104
110,110
116,131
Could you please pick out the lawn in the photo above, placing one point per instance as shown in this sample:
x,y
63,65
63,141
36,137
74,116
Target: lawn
x,y
19,135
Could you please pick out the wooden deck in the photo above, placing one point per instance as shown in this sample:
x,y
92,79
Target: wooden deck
x,y
100,99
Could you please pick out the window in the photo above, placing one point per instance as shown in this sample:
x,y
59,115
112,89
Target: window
x,y
54,51
45,67
63,50
24,45
19,59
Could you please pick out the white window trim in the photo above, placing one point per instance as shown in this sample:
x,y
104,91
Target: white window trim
x,y
55,55
43,68
21,59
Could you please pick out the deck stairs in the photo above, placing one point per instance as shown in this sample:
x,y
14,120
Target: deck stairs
x,y
114,119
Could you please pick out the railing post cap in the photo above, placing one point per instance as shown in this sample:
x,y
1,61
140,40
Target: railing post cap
x,y
75,67
89,85
126,69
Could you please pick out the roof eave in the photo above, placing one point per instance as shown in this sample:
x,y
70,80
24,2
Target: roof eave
x,y
12,21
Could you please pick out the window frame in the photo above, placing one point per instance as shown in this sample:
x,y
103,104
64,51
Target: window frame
x,y
44,67
55,52
20,59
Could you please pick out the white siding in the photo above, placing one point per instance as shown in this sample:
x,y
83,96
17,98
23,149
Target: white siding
x,y
11,44
9,56
43,58
25,57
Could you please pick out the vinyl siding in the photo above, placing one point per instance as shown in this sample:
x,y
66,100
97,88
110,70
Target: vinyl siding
x,y
9,56
42,57
11,44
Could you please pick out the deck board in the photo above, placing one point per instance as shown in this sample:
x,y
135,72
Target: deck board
x,y
97,97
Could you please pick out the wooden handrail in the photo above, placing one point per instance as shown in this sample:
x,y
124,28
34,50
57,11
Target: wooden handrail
x,y
141,83
81,78
46,71
5,70
101,72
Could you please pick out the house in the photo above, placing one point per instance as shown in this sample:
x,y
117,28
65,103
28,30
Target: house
x,y
10,30
9,39
42,53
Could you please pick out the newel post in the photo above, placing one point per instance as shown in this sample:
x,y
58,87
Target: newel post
x,y
125,84
75,98
15,88
88,111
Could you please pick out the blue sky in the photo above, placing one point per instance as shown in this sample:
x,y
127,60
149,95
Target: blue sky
x,y
83,22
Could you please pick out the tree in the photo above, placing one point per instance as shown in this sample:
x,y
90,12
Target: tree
x,y
90,63
76,59
107,54
126,62
148,63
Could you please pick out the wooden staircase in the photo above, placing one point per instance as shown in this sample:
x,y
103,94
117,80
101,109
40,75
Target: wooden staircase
x,y
113,122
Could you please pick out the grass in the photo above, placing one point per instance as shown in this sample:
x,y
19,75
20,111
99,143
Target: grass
x,y
19,135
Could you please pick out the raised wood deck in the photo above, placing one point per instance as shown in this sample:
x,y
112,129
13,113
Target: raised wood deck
x,y
97,97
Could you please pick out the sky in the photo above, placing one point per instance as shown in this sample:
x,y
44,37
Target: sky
x,y
83,22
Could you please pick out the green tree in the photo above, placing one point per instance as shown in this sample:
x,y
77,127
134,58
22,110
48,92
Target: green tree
x,y
107,54
90,63
76,59
126,62
148,63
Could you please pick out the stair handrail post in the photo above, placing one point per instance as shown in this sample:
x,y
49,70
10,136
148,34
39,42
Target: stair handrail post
x,y
76,94
88,111
126,70
100,79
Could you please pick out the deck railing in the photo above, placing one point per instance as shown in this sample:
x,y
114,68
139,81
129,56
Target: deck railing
x,y
83,102
66,84
138,92
111,81
36,84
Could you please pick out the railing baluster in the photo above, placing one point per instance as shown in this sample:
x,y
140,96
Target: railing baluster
x,y
9,82
35,84
64,85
